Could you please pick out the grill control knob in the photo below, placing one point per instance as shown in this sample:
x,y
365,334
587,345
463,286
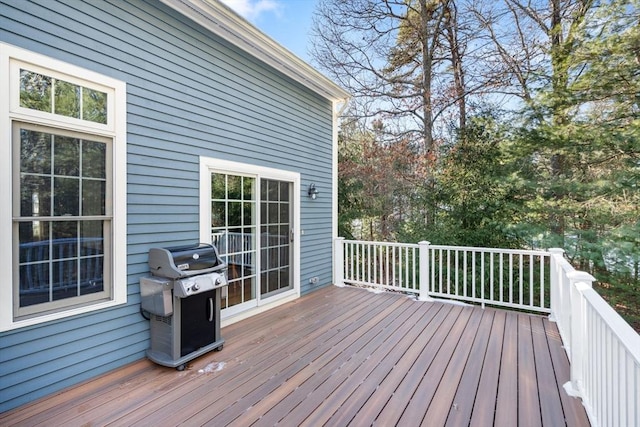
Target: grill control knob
x,y
195,287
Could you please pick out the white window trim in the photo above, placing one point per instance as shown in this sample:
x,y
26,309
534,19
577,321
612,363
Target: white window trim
x,y
209,165
115,128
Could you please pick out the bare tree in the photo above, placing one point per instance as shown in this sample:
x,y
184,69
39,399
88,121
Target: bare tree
x,y
525,44
401,59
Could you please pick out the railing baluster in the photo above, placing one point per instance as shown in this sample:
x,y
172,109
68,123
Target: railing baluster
x,y
482,282
531,303
432,267
376,250
406,264
409,266
465,274
400,279
393,267
354,265
415,268
457,252
440,270
491,276
376,262
501,277
511,278
371,265
448,271
386,263
359,262
400,266
520,282
379,258
368,258
381,263
473,275
542,283
347,259
350,256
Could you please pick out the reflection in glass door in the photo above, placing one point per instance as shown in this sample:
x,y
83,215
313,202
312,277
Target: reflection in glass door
x,y
233,231
275,236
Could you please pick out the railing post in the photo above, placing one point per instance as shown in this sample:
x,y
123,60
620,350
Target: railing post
x,y
555,283
338,261
579,281
424,271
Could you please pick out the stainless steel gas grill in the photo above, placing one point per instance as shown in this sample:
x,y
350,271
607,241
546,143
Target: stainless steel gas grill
x,y
183,298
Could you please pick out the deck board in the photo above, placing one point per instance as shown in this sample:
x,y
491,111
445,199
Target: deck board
x,y
416,369
464,399
342,356
445,392
483,412
366,396
550,403
507,400
422,399
335,381
427,382
315,366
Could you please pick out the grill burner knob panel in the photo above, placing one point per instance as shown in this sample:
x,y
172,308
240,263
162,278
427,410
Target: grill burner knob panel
x,y
198,284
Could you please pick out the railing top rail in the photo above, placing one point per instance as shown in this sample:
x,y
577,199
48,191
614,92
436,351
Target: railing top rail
x,y
453,248
617,325
491,250
365,242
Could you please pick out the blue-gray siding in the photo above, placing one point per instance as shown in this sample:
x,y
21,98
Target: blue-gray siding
x,y
189,93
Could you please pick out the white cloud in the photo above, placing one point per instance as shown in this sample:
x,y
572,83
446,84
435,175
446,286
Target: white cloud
x,y
253,9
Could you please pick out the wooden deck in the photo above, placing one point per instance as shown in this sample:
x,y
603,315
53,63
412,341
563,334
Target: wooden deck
x,y
337,357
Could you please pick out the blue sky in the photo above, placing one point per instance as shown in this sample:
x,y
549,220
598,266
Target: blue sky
x,y
286,21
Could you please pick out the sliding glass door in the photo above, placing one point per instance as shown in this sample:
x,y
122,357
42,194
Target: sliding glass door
x,y
253,231
276,236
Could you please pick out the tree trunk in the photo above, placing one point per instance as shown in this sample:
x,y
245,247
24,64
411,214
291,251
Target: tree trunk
x,y
426,13
456,63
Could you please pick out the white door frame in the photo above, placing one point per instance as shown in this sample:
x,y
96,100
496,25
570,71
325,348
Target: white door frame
x,y
209,165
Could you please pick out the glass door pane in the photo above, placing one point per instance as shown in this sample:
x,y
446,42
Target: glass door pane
x,y
275,236
233,231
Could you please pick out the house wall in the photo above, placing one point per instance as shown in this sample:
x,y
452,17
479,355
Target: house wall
x,y
189,93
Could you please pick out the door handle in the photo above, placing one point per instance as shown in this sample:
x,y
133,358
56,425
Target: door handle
x,y
291,235
210,309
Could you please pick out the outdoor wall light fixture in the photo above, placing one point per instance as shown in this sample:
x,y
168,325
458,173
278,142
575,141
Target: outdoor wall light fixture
x,y
312,192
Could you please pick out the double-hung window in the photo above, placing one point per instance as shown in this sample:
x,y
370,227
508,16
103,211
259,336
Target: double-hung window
x,y
63,162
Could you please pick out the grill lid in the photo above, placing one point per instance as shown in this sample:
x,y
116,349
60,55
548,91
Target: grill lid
x,y
184,261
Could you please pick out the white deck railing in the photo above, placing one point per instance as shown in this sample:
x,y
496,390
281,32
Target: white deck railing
x,y
603,350
501,277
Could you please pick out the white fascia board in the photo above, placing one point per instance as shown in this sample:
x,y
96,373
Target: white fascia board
x,y
223,21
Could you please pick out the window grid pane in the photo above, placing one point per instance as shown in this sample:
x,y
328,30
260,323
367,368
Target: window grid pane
x,y
61,254
59,260
68,100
